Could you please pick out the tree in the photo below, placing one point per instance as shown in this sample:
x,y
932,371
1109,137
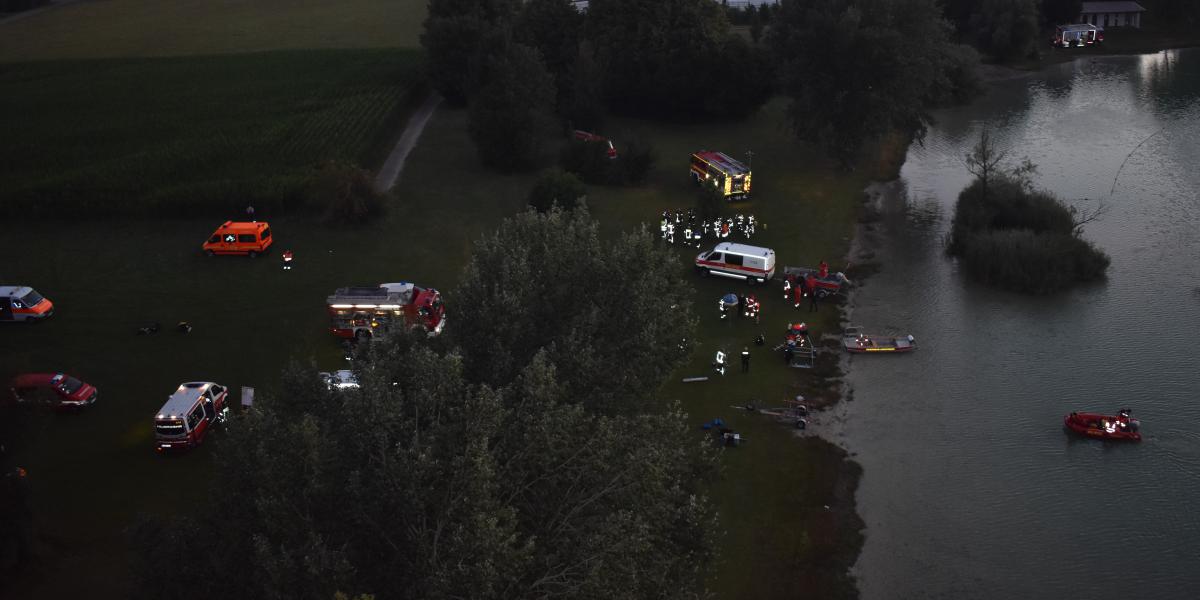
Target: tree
x,y
668,57
554,28
856,70
456,38
427,483
609,316
756,25
1058,12
1005,29
556,187
511,117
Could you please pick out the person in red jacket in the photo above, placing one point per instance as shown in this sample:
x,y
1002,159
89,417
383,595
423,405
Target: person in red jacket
x,y
823,270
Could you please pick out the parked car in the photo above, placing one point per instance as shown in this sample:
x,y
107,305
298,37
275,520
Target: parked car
x,y
58,390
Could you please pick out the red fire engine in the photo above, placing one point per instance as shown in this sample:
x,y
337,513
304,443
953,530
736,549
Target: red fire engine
x,y
363,313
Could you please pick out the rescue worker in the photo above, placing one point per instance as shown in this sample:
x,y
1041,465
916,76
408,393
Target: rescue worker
x,y
687,234
745,359
788,351
812,295
719,363
670,233
725,228
287,260
742,305
799,291
787,288
662,226
823,270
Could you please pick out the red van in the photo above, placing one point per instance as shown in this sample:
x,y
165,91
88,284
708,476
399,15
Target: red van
x,y
185,420
249,239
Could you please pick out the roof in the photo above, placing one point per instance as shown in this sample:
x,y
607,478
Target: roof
x,y
1110,7
388,293
244,226
743,249
184,398
724,162
14,290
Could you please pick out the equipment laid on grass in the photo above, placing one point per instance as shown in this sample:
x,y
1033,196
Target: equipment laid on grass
x,y
363,313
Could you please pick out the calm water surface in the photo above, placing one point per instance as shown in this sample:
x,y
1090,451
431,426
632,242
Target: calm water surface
x,y
971,488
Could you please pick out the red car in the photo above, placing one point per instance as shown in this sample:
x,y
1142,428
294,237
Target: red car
x,y
59,390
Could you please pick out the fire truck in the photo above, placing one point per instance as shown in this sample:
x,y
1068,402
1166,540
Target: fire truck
x,y
364,313
728,175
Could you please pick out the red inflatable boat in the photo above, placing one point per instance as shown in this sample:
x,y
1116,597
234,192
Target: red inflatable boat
x,y
1104,427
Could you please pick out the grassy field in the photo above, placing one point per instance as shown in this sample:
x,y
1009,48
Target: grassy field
x,y
192,135
93,472
138,28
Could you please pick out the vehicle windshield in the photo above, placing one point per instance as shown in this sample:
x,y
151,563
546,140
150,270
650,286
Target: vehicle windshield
x,y
70,385
32,299
169,427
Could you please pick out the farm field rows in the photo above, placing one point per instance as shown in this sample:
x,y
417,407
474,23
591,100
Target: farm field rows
x,y
192,135
137,28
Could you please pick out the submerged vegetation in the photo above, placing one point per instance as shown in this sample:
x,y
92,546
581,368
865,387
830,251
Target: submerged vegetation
x,y
1014,236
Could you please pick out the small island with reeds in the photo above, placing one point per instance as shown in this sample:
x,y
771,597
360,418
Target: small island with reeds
x,y
1012,235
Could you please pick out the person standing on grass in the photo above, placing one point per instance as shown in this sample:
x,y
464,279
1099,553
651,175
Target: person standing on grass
x,y
745,359
812,298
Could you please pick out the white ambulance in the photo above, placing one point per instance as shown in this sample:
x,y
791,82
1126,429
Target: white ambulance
x,y
738,261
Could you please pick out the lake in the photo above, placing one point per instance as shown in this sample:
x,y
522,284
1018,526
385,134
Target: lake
x,y
971,488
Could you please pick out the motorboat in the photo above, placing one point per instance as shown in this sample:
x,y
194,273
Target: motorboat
x,y
855,341
1104,427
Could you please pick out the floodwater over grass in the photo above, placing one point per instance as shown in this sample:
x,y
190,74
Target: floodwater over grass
x,y
92,472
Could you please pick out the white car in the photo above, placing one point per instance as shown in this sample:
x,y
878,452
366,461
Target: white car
x,y
343,379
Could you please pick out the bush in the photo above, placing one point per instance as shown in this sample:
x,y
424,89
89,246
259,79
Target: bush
x,y
1026,261
590,161
557,187
1007,203
347,191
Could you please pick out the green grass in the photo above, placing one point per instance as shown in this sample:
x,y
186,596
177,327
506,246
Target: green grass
x,y
137,28
251,317
192,135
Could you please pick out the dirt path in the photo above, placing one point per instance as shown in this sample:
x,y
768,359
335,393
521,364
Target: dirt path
x,y
390,171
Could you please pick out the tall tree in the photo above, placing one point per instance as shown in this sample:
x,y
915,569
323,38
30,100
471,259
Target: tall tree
x,y
456,38
554,28
430,482
1005,29
858,69
1058,12
610,316
668,57
510,119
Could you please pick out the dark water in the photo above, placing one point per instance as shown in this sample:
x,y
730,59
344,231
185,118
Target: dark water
x,y
971,488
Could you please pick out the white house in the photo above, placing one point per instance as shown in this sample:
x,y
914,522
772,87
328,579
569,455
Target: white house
x,y
1112,14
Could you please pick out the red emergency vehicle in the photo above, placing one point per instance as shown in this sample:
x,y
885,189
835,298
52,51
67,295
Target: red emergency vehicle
x,y
585,136
363,313
59,390
23,303
185,420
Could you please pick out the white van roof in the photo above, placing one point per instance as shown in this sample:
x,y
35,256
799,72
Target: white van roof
x,y
184,398
14,291
743,249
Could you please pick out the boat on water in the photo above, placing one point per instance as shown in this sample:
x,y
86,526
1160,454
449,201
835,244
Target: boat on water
x,y
1104,427
857,342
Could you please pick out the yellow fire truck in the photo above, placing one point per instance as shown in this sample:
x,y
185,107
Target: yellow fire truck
x,y
725,173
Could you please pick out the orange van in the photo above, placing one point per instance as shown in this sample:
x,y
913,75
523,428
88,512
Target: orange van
x,y
250,239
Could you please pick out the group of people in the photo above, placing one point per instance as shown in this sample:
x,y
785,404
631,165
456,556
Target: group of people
x,y
797,287
746,306
688,228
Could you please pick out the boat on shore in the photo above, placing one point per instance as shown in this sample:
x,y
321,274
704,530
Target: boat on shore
x,y
857,342
1104,427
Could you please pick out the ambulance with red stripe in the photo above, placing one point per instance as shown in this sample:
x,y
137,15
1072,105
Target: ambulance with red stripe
x,y
738,261
23,303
